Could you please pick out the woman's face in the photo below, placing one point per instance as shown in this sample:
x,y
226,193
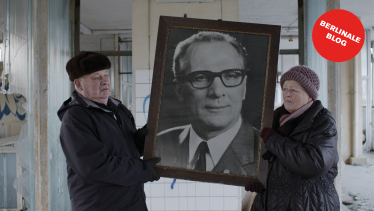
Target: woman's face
x,y
294,96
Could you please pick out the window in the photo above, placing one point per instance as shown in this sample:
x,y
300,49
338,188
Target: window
x,y
9,171
285,62
125,72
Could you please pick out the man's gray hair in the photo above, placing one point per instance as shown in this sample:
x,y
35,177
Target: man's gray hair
x,y
181,62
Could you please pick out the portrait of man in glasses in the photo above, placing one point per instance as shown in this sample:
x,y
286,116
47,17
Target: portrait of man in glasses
x,y
210,80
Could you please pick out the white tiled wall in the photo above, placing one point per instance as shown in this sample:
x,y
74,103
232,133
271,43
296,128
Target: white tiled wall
x,y
142,88
185,195
190,195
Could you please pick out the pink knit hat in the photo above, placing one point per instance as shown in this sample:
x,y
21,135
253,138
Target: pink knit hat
x,y
306,77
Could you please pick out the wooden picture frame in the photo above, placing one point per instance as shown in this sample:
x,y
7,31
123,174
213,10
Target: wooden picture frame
x,y
173,120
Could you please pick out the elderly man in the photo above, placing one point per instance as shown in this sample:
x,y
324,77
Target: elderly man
x,y
210,80
100,142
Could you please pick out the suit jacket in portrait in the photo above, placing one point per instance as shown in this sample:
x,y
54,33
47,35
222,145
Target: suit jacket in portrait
x,y
239,158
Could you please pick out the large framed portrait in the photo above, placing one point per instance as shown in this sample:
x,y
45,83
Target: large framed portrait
x,y
212,93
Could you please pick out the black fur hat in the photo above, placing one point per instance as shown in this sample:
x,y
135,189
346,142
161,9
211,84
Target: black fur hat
x,y
86,63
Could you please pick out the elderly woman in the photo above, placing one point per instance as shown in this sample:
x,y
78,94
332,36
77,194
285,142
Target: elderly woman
x,y
302,150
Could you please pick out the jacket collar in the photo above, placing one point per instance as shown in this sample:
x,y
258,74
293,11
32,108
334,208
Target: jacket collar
x,y
310,115
77,98
307,121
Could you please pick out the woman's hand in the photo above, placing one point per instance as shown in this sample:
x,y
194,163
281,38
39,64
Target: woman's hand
x,y
254,187
266,133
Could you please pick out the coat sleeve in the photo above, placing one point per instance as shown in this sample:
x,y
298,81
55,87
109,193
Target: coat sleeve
x,y
88,157
312,158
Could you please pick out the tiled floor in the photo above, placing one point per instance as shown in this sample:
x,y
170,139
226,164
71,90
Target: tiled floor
x,y
358,182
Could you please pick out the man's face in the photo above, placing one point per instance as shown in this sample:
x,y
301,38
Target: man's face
x,y
95,86
216,107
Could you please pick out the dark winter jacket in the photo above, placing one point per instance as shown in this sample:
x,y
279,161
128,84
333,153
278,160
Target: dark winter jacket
x,y
104,168
304,163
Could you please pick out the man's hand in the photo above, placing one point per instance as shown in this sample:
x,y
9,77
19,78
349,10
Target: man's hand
x,y
139,138
140,134
149,163
254,187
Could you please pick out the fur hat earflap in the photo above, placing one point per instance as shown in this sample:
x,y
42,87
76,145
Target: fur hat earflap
x,y
86,63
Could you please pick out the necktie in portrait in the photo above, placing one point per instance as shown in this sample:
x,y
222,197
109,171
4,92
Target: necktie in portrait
x,y
201,151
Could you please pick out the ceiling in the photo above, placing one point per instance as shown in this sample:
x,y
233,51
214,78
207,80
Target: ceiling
x,y
106,16
115,16
274,12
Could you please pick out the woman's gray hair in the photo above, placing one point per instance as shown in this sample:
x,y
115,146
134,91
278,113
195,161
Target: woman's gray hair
x,y
181,62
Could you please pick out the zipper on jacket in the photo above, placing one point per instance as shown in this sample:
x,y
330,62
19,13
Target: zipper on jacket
x,y
119,121
116,115
115,110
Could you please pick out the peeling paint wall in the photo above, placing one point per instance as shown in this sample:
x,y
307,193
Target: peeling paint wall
x,y
12,117
58,91
21,110
15,87
12,113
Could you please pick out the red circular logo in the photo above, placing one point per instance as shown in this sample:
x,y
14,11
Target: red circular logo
x,y
338,35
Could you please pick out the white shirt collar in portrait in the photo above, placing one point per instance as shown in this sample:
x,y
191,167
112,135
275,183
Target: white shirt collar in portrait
x,y
217,145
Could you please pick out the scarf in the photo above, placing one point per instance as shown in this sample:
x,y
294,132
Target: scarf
x,y
285,117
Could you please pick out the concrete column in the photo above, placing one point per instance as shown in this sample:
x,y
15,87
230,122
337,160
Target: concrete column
x,y
312,11
334,95
40,103
334,99
356,107
75,14
369,95
330,86
301,25
371,146
76,31
141,35
117,76
356,142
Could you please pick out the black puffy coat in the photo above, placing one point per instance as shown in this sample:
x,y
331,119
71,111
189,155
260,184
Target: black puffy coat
x,y
104,168
304,163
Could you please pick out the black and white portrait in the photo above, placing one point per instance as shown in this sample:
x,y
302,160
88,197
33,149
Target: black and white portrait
x,y
212,101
